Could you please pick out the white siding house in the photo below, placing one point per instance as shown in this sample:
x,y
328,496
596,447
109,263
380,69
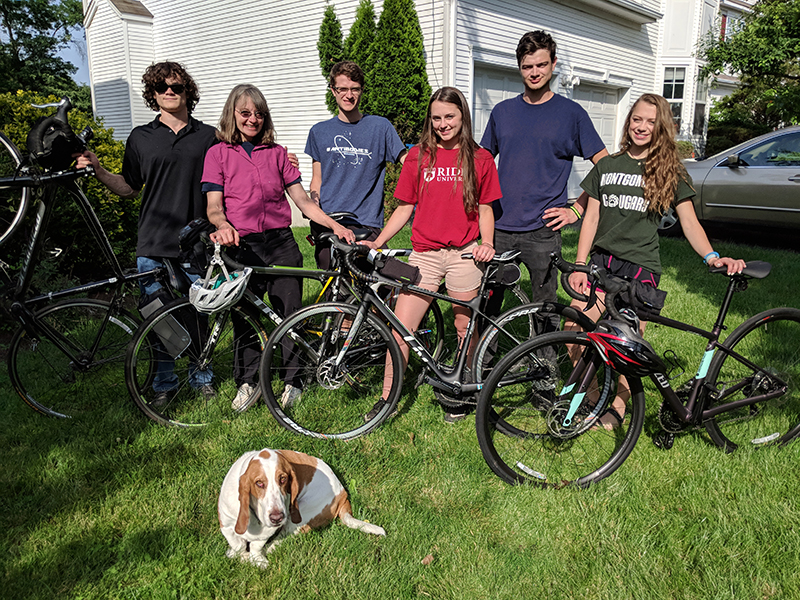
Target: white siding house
x,y
609,52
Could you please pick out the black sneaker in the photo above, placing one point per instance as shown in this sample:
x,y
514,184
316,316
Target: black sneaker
x,y
160,400
376,408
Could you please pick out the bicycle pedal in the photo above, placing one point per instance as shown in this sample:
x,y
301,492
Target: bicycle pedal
x,y
420,379
664,440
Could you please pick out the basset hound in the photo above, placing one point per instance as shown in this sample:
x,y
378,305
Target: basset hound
x,y
269,494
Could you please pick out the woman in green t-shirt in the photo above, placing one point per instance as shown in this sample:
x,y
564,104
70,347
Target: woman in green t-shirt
x,y
628,193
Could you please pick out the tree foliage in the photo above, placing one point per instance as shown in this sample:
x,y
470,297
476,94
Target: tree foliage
x,y
67,231
397,83
33,33
765,53
357,46
330,48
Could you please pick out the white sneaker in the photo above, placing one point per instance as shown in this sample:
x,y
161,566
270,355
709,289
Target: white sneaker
x,y
290,395
246,390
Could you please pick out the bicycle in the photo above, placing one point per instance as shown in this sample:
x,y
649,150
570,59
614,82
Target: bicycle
x,y
538,418
342,352
65,350
197,342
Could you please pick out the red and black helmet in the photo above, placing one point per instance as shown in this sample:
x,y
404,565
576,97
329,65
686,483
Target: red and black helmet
x,y
624,349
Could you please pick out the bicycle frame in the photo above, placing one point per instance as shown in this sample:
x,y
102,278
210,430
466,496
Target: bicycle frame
x,y
449,382
692,412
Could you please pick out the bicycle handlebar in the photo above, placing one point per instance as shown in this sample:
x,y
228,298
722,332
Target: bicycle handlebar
x,y
599,277
51,142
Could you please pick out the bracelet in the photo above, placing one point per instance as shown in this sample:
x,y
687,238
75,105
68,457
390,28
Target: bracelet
x,y
485,244
575,210
712,253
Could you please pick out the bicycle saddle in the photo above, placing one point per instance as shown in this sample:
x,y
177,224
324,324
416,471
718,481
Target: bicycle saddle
x,y
757,269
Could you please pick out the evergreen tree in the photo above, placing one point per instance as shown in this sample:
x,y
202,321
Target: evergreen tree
x,y
397,84
330,49
357,44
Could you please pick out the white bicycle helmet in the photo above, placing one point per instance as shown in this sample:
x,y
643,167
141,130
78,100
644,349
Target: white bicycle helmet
x,y
213,293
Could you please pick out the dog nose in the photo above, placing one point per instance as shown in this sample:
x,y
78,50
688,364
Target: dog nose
x,y
276,517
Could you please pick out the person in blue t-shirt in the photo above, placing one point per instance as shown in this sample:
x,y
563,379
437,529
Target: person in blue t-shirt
x,y
349,154
537,134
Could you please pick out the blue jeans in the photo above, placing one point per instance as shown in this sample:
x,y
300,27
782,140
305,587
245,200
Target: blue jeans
x,y
166,380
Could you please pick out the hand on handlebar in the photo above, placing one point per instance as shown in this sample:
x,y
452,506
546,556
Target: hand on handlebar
x,y
579,282
226,236
368,244
86,159
735,265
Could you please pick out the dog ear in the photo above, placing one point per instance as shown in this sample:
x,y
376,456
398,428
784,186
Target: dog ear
x,y
243,520
294,512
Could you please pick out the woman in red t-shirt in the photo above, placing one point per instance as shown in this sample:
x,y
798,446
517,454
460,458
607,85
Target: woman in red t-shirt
x,y
451,181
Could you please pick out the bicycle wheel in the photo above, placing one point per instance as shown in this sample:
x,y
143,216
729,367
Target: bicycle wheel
x,y
770,341
304,351
13,200
221,350
537,416
513,328
59,385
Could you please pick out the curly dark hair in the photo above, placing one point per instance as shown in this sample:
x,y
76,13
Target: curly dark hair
x,y
160,72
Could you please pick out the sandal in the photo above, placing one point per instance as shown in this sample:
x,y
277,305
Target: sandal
x,y
612,412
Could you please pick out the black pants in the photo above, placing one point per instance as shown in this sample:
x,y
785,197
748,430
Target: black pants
x,y
274,247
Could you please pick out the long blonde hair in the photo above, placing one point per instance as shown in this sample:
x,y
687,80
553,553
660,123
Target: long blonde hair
x,y
662,166
466,146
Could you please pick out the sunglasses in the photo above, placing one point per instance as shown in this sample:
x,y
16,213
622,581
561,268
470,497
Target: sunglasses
x,y
162,87
246,114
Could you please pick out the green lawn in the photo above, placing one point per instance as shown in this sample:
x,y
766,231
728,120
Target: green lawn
x,y
111,505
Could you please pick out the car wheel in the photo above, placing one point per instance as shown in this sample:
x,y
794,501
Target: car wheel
x,y
669,224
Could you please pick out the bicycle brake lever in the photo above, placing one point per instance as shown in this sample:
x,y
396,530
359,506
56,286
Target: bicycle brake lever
x,y
592,297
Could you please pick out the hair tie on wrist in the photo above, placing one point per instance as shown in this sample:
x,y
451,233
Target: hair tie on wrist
x,y
575,210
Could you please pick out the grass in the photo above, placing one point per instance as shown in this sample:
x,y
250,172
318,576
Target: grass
x,y
111,505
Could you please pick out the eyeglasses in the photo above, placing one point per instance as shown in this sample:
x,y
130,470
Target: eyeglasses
x,y
162,87
246,114
343,90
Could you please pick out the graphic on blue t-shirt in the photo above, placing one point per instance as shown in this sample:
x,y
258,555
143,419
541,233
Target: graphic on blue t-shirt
x,y
345,149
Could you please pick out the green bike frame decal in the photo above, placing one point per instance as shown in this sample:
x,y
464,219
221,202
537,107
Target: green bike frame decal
x,y
702,371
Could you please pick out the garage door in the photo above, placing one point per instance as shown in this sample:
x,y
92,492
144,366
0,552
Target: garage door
x,y
493,85
601,104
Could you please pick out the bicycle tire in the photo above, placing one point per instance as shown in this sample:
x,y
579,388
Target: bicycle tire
x,y
14,201
769,339
52,384
521,420
186,405
334,400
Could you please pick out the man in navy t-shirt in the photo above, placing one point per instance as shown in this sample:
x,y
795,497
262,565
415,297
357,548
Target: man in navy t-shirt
x,y
537,134
350,152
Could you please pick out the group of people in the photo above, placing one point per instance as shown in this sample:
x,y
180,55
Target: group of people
x,y
239,177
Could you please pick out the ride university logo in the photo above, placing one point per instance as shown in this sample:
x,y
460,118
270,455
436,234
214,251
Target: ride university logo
x,y
625,201
442,174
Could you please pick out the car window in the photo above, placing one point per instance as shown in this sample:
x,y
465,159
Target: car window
x,y
781,151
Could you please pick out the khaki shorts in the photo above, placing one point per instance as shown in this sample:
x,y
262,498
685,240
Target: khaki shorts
x,y
446,263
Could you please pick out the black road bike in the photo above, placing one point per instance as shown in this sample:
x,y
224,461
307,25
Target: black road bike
x,y
539,410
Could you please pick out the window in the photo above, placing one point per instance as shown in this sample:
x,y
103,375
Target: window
x,y
700,99
674,81
783,151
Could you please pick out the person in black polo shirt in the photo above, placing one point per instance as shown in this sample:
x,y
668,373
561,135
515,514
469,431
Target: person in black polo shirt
x,y
165,157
